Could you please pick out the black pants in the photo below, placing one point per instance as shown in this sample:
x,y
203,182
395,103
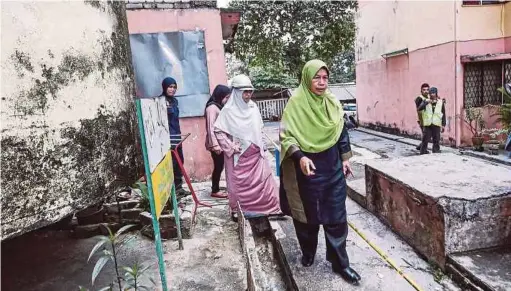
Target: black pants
x,y
178,174
335,237
218,163
422,132
431,131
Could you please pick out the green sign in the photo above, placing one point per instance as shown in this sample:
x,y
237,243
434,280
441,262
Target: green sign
x,y
154,133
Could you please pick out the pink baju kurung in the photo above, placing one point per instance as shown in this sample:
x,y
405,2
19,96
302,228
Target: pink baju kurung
x,y
250,182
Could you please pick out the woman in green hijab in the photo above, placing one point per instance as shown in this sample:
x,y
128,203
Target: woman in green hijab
x,y
316,149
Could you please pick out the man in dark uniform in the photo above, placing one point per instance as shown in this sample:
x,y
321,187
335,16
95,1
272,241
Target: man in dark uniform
x,y
418,101
433,120
169,86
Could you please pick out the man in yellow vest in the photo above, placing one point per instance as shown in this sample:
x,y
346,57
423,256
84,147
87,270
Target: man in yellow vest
x,y
433,120
418,101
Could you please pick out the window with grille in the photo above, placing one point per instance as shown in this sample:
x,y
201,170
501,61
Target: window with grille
x,y
482,81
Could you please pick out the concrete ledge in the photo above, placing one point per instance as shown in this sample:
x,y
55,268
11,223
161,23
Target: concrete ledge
x,y
492,158
442,203
413,142
488,269
357,191
405,140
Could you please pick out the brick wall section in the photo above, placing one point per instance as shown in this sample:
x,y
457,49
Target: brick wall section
x,y
169,4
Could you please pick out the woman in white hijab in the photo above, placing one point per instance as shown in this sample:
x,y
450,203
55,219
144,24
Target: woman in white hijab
x,y
238,130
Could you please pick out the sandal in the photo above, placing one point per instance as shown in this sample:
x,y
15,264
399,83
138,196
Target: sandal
x,y
220,195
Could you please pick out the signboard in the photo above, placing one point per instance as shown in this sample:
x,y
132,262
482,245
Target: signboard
x,y
154,133
178,54
156,129
162,178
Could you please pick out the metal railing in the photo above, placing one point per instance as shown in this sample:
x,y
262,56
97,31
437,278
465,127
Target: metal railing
x,y
271,108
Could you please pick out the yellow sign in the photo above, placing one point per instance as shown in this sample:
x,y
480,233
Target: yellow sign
x,y
162,178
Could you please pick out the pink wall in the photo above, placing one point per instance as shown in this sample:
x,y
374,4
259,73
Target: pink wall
x,y
197,159
386,89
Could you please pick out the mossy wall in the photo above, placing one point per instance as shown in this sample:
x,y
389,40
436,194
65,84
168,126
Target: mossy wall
x,y
68,122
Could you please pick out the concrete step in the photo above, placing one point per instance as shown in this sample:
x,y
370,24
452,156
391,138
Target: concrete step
x,y
442,203
357,191
267,268
488,269
376,273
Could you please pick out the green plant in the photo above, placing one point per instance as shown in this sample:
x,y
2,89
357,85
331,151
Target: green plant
x,y
289,33
144,199
134,274
473,117
493,133
504,110
110,246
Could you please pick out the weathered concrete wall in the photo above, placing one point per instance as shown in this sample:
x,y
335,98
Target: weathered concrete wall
x,y
69,131
386,26
442,203
198,161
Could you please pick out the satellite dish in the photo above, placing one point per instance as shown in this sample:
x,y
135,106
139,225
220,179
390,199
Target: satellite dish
x,y
507,87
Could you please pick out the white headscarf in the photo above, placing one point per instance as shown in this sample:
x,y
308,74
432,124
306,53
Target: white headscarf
x,y
240,119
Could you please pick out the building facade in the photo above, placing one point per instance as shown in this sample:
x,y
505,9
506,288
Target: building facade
x,y
168,17
461,47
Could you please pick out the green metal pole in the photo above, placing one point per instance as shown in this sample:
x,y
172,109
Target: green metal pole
x,y
156,225
176,215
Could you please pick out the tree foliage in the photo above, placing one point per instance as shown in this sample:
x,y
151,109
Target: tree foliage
x,y
269,78
283,35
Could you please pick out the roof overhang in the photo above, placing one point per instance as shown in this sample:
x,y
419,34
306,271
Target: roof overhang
x,y
485,58
395,53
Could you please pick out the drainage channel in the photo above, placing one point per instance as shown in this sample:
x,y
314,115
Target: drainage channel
x,y
267,268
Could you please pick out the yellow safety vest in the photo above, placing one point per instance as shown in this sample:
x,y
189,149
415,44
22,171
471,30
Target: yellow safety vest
x,y
419,113
430,117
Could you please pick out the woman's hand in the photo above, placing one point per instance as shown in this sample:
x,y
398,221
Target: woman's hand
x,y
217,150
307,166
346,169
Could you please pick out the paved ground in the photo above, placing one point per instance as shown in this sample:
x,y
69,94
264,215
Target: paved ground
x,y
48,260
493,267
376,273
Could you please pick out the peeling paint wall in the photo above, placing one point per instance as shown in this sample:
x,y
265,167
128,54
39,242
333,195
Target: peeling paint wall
x,y
69,132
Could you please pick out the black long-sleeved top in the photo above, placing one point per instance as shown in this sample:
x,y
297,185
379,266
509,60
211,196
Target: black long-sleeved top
x,y
423,105
322,196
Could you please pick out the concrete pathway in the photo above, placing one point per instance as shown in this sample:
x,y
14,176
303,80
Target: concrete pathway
x,y
52,260
376,273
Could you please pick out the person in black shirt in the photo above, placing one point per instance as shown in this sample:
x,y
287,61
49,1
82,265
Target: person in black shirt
x,y
418,102
169,86
433,120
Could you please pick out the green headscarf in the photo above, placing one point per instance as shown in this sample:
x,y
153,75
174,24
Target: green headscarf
x,y
310,122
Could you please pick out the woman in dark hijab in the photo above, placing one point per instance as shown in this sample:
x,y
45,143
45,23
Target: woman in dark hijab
x,y
215,103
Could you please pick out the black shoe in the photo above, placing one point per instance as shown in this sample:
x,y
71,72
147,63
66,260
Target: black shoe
x,y
348,274
418,147
307,261
234,217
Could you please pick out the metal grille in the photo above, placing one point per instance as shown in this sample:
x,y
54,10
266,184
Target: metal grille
x,y
473,89
481,83
507,72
